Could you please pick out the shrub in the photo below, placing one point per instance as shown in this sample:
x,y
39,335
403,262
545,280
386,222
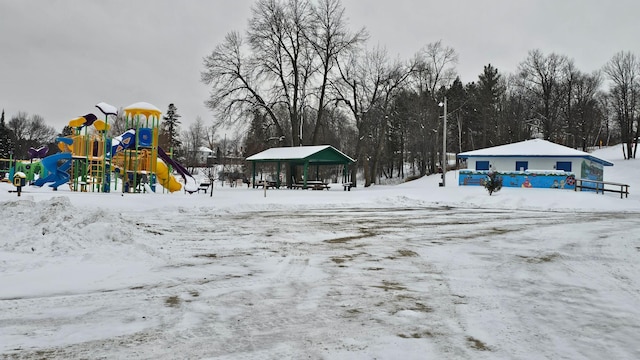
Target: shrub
x,y
493,182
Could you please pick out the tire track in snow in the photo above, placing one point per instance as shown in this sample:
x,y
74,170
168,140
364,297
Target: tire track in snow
x,y
244,286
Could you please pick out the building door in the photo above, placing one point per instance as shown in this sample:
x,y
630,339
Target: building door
x,y
563,165
522,165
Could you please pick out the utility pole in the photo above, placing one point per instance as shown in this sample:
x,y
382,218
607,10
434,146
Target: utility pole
x,y
443,165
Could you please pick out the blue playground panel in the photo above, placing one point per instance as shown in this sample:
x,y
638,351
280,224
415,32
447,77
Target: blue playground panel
x,y
145,137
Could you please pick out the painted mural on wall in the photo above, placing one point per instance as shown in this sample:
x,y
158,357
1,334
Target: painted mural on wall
x,y
522,179
591,170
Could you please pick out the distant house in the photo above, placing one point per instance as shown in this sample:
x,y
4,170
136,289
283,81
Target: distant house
x,y
202,154
532,163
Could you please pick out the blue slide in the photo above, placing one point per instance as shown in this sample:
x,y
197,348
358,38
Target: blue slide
x,y
58,175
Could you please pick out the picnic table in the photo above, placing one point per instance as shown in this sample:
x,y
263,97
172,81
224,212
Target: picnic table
x,y
311,184
266,183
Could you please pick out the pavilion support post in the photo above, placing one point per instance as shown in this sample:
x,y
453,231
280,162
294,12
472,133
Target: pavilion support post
x,y
253,174
305,174
278,175
289,175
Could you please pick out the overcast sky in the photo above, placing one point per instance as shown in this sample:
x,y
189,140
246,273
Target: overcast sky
x,y
58,58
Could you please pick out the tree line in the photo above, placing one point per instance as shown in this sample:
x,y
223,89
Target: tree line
x,y
299,75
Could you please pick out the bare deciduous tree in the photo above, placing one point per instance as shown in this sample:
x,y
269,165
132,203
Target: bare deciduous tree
x,y
542,79
274,73
30,131
367,87
283,69
434,67
283,54
117,124
624,72
330,39
587,111
233,81
193,140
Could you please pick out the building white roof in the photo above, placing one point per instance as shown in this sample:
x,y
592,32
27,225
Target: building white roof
x,y
204,149
284,153
292,153
532,148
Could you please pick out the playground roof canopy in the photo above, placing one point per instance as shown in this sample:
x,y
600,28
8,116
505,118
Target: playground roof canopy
x,y
314,155
142,108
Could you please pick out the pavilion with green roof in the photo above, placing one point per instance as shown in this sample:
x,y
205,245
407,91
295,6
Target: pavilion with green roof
x,y
304,156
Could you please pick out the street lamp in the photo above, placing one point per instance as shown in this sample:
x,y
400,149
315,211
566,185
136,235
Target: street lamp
x,y
444,142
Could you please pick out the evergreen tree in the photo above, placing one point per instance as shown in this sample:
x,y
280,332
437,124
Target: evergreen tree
x,y
489,91
493,183
170,132
7,139
457,98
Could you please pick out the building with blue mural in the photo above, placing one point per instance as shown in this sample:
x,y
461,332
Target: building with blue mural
x,y
533,163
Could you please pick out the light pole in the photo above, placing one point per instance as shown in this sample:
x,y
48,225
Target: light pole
x,y
443,165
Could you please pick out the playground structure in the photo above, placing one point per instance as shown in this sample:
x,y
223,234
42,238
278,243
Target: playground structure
x,y
87,160
29,168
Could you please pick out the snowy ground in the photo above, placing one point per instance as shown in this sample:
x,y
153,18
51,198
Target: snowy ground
x,y
411,271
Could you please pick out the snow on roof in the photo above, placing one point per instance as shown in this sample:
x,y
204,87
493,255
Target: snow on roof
x,y
298,152
291,153
142,108
534,147
107,109
204,149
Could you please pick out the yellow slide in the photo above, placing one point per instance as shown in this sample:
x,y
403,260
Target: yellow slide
x,y
165,179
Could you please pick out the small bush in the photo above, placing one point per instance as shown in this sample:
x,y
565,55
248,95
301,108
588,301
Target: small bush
x,y
493,182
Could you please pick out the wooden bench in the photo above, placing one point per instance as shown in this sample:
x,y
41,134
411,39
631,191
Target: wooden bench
x,y
602,186
347,186
204,186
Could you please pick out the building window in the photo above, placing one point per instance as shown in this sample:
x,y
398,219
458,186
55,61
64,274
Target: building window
x,y
522,165
563,165
482,165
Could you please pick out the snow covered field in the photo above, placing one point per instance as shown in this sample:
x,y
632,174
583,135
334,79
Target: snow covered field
x,y
410,271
